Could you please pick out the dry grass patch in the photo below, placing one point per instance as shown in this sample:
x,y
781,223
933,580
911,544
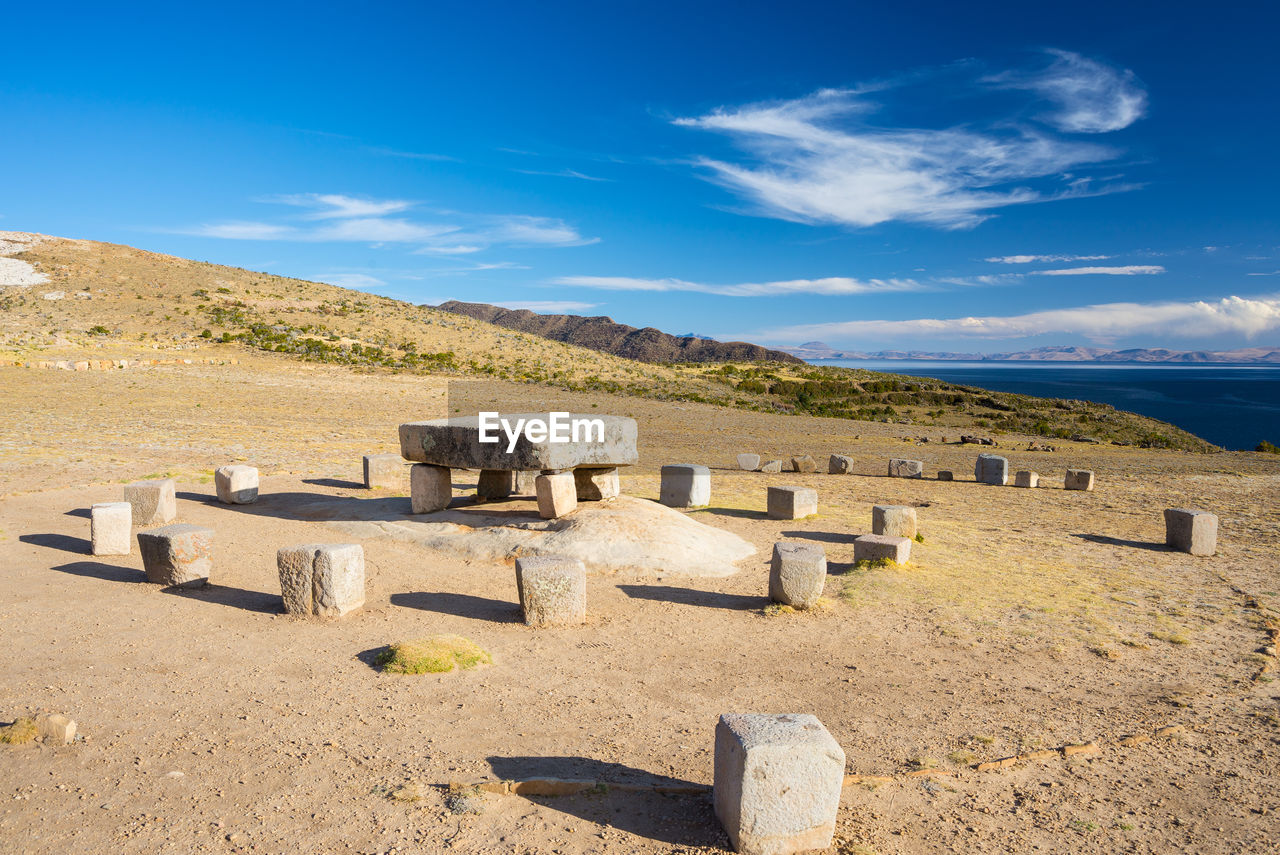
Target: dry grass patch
x,y
438,654
22,731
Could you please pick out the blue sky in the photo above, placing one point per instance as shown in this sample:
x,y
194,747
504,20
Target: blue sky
x,y
940,176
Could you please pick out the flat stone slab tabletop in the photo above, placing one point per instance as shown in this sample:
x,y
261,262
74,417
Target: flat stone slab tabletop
x,y
455,443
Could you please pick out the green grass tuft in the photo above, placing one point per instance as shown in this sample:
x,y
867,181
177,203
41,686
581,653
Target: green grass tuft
x,y
435,655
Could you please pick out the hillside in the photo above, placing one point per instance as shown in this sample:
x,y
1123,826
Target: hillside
x,y
106,301
601,333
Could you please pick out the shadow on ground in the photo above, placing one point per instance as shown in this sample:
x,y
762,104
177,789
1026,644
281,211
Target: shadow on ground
x,y
105,572
740,513
84,513
1116,541
336,483
684,820
238,598
64,542
459,605
822,536
693,597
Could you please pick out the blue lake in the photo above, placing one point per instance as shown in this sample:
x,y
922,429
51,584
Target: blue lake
x,y
1234,406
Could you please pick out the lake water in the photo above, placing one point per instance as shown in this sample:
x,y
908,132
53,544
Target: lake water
x,y
1234,406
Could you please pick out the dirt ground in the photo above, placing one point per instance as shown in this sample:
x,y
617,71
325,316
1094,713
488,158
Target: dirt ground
x,y
1026,620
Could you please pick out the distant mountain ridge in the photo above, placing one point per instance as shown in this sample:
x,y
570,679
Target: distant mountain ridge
x,y
1065,353
603,334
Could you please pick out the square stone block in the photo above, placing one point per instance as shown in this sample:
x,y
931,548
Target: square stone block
x,y
496,484
109,528
839,464
385,471
797,573
777,782
991,469
154,502
1078,479
55,728
1026,478
771,466
553,590
899,468
1189,530
791,503
946,475
893,520
749,462
805,463
322,579
236,485
557,495
430,488
873,547
178,554
685,485
596,485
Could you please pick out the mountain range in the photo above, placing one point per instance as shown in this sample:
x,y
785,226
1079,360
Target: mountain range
x,y
603,334
815,350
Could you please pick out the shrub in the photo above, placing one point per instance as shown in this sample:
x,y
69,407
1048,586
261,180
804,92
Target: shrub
x,y
1268,447
435,655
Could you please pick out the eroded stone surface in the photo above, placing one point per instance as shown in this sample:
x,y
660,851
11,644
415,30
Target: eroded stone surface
x,y
596,485
557,494
385,472
456,443
797,574
900,468
1191,530
430,488
177,555
1026,478
893,520
236,485
777,782
946,475
873,547
110,528
771,466
839,464
685,485
553,590
154,502
791,503
991,469
804,463
322,579
1078,479
749,462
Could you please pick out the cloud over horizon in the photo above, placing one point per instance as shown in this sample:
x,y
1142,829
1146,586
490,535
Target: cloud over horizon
x,y
1246,316
834,285
819,159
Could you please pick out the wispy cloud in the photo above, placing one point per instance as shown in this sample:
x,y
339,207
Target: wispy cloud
x,y
332,217
836,285
1047,259
1104,322
1127,270
547,305
357,281
820,158
1090,97
383,151
562,173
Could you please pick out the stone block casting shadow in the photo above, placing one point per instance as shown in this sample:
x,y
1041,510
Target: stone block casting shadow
x,y
740,513
341,485
83,513
105,572
66,543
686,820
694,597
460,605
239,598
1116,541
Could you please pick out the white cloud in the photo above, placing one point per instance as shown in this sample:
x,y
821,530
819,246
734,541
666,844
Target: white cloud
x,y
563,173
1127,270
1091,98
1052,259
408,155
817,160
350,280
243,230
835,285
547,305
337,206
1231,315
378,230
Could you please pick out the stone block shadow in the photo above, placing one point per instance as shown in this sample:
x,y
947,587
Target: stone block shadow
x,y
225,595
681,820
63,542
105,572
459,605
1106,540
83,513
694,597
341,485
845,538
741,513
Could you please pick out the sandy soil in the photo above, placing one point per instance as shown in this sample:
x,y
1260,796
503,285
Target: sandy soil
x,y
1026,620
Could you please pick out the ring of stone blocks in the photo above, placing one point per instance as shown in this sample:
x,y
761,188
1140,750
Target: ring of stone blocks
x,y
685,485
777,782
321,579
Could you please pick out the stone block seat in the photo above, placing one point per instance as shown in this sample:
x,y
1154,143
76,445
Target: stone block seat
x,y
447,444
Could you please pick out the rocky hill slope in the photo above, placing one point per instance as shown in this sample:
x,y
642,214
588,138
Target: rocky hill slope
x,y
603,334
